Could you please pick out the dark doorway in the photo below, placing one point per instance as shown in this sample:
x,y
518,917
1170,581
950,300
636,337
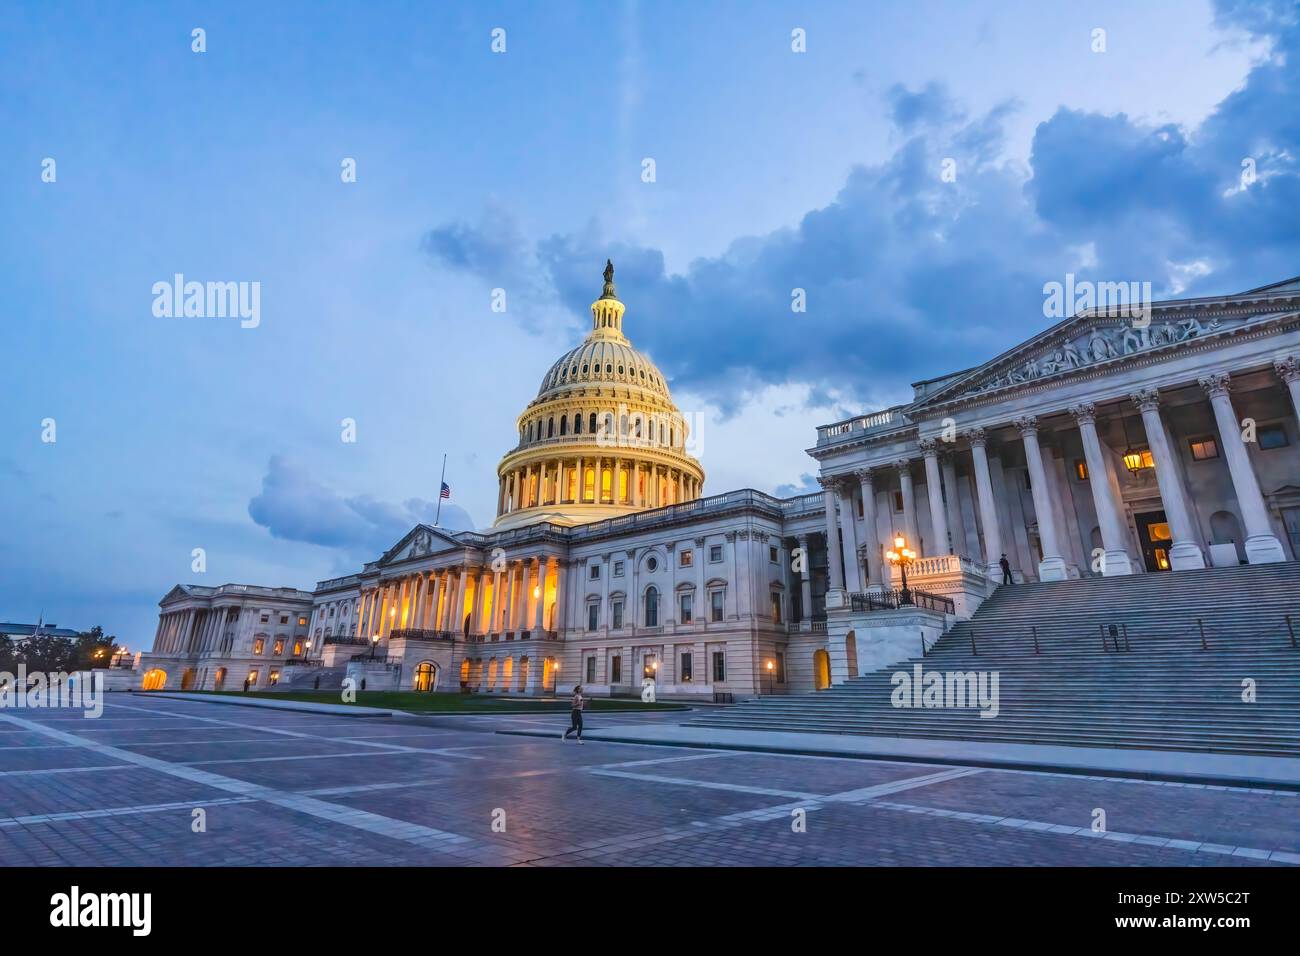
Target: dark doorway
x,y
1153,533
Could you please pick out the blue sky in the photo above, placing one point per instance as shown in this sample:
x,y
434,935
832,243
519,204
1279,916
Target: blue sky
x,y
522,171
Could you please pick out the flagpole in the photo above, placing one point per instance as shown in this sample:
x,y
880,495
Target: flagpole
x,y
438,515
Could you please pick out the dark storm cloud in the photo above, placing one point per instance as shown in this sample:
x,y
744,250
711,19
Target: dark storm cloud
x,y
908,276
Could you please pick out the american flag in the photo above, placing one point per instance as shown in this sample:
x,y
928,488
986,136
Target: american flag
x,y
446,491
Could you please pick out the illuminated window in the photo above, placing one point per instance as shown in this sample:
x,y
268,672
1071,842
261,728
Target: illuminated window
x,y
1080,469
279,647
273,678
686,558
259,645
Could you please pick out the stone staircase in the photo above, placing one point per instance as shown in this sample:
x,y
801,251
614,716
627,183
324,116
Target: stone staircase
x,y
306,678
1164,688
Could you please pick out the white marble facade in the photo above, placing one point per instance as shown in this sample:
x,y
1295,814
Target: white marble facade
x,y
1023,455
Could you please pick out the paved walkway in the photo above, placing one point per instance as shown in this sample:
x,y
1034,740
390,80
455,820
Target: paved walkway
x,y
159,781
1171,765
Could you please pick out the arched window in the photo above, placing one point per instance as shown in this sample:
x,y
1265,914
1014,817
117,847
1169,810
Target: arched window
x,y
577,424
638,426
550,428
591,424
652,607
564,425
609,423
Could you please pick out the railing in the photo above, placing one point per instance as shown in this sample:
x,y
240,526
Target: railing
x,y
344,639
418,634
899,598
876,421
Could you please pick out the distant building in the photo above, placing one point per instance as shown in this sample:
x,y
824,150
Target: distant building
x,y
22,633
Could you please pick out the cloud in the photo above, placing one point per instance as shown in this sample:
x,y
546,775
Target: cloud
x,y
294,506
908,276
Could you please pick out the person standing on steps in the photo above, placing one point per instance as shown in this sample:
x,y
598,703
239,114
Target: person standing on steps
x,y
576,707
1006,569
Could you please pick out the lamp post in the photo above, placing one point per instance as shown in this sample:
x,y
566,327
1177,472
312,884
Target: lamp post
x,y
374,644
902,556
771,666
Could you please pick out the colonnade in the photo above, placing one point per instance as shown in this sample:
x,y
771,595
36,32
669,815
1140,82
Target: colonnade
x,y
596,479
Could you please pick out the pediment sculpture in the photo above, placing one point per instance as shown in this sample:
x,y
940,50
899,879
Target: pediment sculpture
x,y
1098,344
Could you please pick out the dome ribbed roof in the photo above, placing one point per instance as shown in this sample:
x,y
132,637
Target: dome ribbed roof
x,y
604,361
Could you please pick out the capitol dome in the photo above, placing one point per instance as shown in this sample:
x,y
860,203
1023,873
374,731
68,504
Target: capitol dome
x,y
602,438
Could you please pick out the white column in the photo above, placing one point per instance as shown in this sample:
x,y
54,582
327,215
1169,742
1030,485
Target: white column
x,y
934,491
458,625
1115,558
909,505
1289,370
558,622
1185,551
1262,546
835,597
511,609
876,564
539,611
848,527
956,524
1052,567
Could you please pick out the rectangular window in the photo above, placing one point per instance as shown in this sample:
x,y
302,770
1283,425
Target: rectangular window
x,y
686,668
252,678
593,613
266,619
284,618
618,569
687,602
595,572
273,678
715,553
780,668
776,607
1271,436
259,645
616,669
302,621
1203,449
279,646
685,558
772,555
898,501
719,667
716,599
591,670
297,648
616,612
1080,469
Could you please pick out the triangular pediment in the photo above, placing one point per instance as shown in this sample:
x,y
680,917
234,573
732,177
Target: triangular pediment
x,y
178,593
421,540
1089,341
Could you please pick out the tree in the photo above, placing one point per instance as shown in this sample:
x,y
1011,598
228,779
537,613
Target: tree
x,y
93,649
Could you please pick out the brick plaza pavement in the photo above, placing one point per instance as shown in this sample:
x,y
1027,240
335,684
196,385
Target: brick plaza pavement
x,y
285,788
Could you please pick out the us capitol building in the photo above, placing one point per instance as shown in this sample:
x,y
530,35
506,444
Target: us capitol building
x,y
1101,446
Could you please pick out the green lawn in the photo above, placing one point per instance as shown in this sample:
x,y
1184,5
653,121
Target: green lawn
x,y
450,703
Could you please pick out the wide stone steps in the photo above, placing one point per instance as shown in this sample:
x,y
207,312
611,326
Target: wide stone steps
x,y
1167,691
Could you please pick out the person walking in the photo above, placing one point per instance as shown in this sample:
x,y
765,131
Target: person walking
x,y
576,707
1006,570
